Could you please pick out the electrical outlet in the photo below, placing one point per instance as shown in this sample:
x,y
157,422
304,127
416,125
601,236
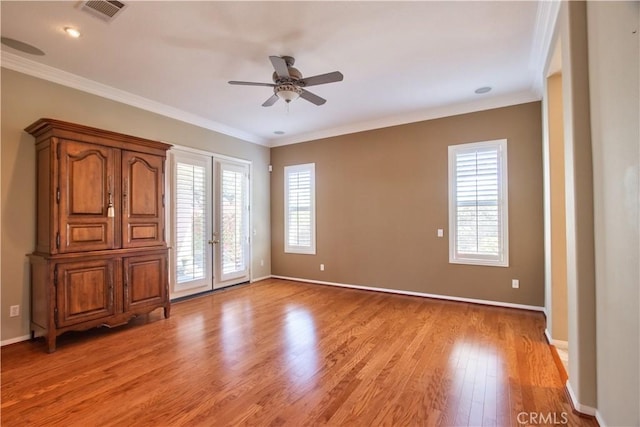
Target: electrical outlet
x,y
515,283
14,311
261,263
440,232
321,267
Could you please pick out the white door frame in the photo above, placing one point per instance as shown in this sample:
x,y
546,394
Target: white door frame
x,y
170,217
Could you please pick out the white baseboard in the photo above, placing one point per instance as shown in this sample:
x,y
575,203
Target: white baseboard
x,y
587,410
600,420
417,294
562,345
369,288
15,340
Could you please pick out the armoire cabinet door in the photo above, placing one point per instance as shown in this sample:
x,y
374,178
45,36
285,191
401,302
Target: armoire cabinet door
x,y
142,200
86,186
145,280
85,291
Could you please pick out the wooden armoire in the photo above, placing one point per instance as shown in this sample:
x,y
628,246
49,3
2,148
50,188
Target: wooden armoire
x,y
101,256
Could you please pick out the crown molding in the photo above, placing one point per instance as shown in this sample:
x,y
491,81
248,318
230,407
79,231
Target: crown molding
x,y
521,97
547,15
26,66
543,34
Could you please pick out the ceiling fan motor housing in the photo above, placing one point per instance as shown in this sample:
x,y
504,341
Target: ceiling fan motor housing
x,y
288,88
294,76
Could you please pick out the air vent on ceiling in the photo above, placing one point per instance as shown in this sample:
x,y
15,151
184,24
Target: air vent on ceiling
x,y
107,10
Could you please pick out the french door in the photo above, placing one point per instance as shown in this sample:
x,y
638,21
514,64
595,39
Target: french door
x,y
209,223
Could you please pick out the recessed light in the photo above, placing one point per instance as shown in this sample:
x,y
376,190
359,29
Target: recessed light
x,y
21,46
279,132
483,89
72,32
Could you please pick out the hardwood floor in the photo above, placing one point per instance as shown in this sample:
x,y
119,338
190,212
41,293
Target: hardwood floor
x,y
286,353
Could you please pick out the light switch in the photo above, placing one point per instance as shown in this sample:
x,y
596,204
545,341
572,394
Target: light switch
x,y
440,232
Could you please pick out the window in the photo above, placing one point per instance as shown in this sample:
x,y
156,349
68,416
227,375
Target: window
x,y
478,204
300,209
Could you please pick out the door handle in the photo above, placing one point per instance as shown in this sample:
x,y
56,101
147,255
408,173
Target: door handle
x,y
214,242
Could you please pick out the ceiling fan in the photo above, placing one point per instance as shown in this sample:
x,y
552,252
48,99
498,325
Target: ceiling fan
x,y
288,83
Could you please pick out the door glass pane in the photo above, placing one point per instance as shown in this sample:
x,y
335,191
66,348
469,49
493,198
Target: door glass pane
x,y
233,220
191,227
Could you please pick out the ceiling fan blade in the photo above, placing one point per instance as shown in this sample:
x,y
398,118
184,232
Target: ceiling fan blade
x,y
280,65
321,79
312,97
269,102
233,82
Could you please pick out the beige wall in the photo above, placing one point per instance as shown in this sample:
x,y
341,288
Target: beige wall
x,y
614,72
382,194
557,210
26,99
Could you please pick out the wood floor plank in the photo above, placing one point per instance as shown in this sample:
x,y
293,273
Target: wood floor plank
x,y
283,353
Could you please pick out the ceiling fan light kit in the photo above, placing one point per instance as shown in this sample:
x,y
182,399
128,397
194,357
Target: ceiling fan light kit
x,y
287,92
288,83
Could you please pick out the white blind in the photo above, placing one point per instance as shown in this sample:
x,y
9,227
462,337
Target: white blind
x,y
479,202
233,205
300,208
191,239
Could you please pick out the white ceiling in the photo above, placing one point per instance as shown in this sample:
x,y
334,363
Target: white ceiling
x,y
402,61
